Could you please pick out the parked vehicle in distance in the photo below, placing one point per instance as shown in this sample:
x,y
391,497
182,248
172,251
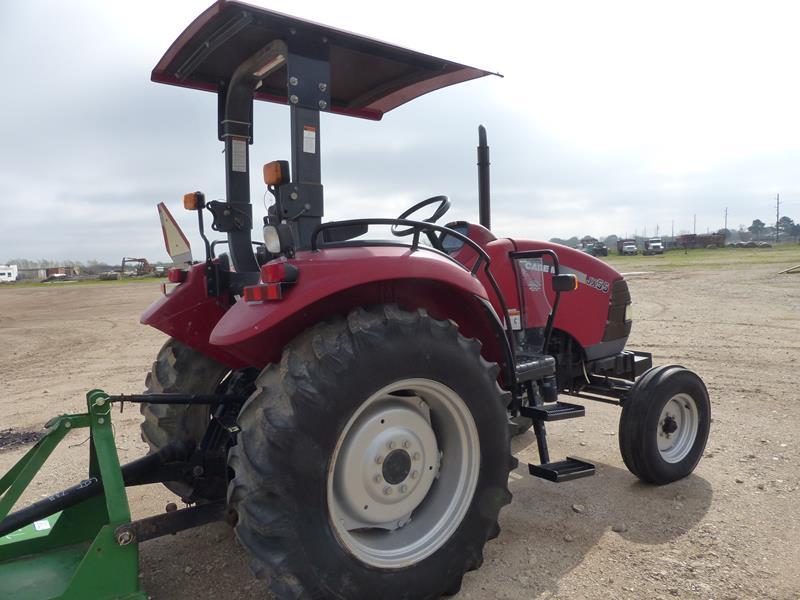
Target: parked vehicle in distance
x,y
593,246
627,248
653,246
705,240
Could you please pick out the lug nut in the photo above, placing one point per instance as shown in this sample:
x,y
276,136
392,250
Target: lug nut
x,y
379,459
406,444
403,489
323,104
292,80
101,420
294,99
198,471
377,478
391,445
414,474
387,491
416,456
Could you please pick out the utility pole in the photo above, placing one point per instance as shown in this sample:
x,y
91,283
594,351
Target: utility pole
x,y
777,215
694,226
726,222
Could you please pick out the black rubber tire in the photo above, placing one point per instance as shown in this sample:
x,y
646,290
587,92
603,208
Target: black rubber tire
x,y
638,423
289,430
519,425
179,368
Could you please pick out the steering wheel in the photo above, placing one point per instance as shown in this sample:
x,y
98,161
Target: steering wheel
x,y
444,206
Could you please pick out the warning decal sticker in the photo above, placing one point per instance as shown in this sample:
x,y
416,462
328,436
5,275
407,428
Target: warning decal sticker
x,y
239,156
309,139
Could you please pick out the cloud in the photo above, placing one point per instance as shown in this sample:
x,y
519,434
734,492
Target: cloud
x,y
611,118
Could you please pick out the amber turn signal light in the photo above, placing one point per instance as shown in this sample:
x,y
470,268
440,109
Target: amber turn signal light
x,y
276,172
194,200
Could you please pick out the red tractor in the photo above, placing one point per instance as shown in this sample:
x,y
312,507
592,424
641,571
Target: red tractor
x,y
350,399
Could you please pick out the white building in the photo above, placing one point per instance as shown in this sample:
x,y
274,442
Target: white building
x,y
8,273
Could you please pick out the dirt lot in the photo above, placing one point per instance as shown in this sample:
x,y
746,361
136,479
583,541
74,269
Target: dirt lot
x,y
732,530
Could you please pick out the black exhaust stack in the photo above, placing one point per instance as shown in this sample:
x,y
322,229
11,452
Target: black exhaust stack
x,y
484,204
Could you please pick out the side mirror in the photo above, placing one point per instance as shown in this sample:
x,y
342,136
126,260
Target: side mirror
x,y
565,283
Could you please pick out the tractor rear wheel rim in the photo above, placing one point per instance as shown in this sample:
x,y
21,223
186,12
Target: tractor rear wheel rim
x,y
677,428
403,473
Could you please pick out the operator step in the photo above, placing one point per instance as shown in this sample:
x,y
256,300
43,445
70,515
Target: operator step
x,y
553,412
563,470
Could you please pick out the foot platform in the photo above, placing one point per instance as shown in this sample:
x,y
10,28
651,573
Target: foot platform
x,y
563,470
553,412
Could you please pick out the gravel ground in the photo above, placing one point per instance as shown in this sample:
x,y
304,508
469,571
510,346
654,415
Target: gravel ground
x,y
731,530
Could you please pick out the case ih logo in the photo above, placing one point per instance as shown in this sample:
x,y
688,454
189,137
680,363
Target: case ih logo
x,y
530,276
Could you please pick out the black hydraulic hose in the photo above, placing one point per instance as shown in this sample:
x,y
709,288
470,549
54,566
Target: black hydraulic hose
x,y
148,469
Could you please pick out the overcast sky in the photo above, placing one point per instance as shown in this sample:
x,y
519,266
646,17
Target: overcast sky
x,y
612,117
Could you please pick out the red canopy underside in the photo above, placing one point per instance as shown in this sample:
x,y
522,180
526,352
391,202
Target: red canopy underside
x,y
367,77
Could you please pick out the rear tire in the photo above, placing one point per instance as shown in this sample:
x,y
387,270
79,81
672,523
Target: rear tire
x,y
310,439
664,424
180,369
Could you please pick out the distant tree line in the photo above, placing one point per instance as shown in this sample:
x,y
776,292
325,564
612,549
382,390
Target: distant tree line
x,y
787,230
26,263
90,266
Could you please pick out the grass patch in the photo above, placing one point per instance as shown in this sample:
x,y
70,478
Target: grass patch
x,y
782,256
82,282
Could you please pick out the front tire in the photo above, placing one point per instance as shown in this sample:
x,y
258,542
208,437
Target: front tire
x,y
664,424
340,489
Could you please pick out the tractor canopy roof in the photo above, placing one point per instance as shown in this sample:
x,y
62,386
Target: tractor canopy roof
x,y
367,77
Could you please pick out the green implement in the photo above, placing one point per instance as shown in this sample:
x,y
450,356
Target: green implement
x,y
83,551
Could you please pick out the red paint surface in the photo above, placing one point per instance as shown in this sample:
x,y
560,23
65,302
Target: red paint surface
x,y
188,314
582,313
334,281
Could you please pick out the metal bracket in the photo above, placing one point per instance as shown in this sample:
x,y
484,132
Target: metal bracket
x,y
300,199
170,523
230,217
309,82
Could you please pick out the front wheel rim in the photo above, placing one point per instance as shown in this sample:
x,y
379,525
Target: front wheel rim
x,y
677,430
403,473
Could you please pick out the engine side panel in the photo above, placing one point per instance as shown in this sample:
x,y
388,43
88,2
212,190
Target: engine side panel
x,y
582,313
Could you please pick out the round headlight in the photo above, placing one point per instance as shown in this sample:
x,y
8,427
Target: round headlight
x,y
272,239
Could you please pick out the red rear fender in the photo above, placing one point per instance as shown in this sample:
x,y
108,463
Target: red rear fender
x,y
188,314
336,280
